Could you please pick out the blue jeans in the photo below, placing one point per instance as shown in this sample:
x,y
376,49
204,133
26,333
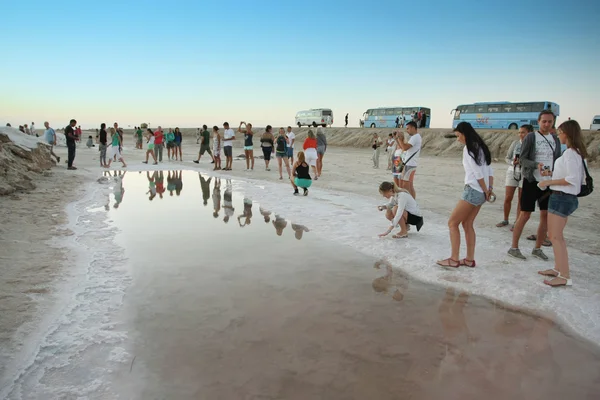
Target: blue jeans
x,y
562,204
473,197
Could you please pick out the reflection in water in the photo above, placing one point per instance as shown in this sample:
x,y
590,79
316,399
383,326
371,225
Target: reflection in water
x,y
216,198
279,223
394,281
205,185
151,185
299,230
228,202
247,215
266,214
174,182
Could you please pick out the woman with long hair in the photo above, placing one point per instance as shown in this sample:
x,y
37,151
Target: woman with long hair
x,y
177,148
115,148
266,144
479,180
310,151
150,150
321,149
248,145
300,175
567,178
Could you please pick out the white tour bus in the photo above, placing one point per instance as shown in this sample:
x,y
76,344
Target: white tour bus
x,y
314,117
595,125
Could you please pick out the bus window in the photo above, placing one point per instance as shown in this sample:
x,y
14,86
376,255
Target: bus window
x,y
494,108
327,112
481,108
508,108
470,109
523,107
537,107
427,111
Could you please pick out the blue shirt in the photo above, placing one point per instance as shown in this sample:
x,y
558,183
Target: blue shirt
x,y
49,135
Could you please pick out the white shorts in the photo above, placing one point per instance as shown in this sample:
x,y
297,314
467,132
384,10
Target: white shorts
x,y
310,156
408,174
114,151
510,180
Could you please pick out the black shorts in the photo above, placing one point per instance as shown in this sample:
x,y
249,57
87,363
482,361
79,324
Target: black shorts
x,y
531,194
228,150
415,220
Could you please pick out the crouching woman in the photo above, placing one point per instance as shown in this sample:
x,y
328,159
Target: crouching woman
x,y
402,209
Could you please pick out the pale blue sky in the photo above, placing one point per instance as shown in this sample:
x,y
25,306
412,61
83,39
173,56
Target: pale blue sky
x,y
191,62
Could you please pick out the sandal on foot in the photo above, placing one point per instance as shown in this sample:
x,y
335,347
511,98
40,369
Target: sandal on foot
x,y
448,262
468,263
502,224
562,281
532,237
547,243
549,272
400,236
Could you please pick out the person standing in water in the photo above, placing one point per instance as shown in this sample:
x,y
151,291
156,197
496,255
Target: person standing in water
x,y
248,145
301,176
321,149
115,148
150,150
281,153
479,181
267,142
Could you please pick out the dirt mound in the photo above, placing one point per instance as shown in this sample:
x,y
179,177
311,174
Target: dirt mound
x,y
22,157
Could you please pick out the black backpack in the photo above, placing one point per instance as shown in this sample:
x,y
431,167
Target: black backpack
x,y
589,183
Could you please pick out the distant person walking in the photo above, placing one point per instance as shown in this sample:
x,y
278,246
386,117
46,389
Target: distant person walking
x,y
32,130
539,151
71,138
248,145
205,144
291,137
50,138
115,148
398,122
177,148
158,143
567,178
281,153
102,144
321,149
513,174
228,138
267,143
301,175
310,151
346,121
150,139
376,146
410,160
479,180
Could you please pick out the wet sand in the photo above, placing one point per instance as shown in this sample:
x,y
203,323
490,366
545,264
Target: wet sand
x,y
249,314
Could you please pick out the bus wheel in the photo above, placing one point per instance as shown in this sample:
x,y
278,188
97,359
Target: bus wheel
x,y
372,125
314,124
299,125
512,127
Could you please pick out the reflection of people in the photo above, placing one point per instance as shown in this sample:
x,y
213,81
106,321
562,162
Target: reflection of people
x,y
228,202
216,198
159,178
151,185
205,185
279,223
118,190
383,283
247,214
177,178
299,230
170,182
266,214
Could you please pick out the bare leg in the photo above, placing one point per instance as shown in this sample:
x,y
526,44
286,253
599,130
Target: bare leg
x,y
510,194
280,167
461,213
556,226
519,226
470,236
287,167
251,154
542,231
247,154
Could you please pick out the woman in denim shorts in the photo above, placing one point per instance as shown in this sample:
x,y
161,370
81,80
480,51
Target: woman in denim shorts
x,y
567,178
479,179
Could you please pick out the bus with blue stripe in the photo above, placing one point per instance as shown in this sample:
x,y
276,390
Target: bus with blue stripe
x,y
503,114
385,117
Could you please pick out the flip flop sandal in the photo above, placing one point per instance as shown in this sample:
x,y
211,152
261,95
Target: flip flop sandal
x,y
468,263
548,273
547,243
501,224
398,236
532,237
567,282
448,262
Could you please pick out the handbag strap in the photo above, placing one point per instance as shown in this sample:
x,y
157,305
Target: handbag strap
x,y
547,141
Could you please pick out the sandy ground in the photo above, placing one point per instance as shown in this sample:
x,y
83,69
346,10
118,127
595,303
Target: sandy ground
x,y
30,263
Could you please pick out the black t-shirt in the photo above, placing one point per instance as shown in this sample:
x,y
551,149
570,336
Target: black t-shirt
x,y
302,171
70,134
102,138
248,140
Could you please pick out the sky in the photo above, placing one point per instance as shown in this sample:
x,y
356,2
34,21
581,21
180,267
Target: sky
x,y
187,63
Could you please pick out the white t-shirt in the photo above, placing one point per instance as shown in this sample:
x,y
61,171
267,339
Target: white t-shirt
x,y
390,144
415,140
474,172
569,166
544,153
405,202
151,139
291,136
228,134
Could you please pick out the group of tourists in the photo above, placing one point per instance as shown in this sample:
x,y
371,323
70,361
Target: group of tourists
x,y
548,168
